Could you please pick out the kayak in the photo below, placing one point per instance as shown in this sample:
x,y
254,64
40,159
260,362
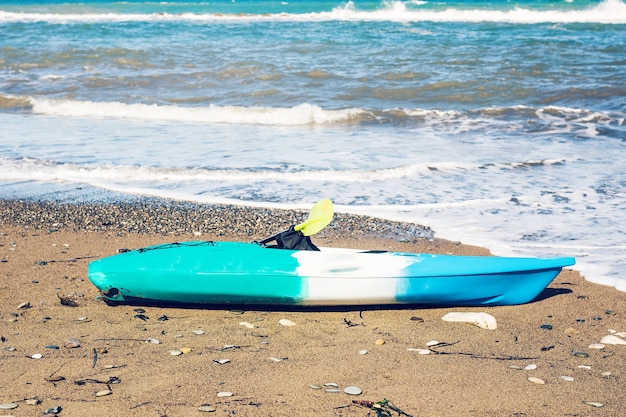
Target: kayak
x,y
235,273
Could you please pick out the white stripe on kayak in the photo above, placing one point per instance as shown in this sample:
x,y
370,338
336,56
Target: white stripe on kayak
x,y
336,274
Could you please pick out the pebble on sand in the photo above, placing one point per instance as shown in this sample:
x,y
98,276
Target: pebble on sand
x,y
54,410
222,394
594,404
420,351
206,409
72,343
352,390
482,320
612,340
104,393
536,380
286,322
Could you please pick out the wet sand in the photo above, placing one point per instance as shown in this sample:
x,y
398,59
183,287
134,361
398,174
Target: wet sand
x,y
45,249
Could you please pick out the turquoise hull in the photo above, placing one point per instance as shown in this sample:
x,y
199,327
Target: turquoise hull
x,y
221,273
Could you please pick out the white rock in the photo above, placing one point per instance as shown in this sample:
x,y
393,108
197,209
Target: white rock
x,y
597,346
104,393
37,356
530,367
482,320
363,352
199,332
352,390
567,378
286,322
246,324
224,394
206,409
536,380
432,343
612,340
221,361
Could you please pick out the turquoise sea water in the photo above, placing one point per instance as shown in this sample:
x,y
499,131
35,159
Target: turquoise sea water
x,y
496,123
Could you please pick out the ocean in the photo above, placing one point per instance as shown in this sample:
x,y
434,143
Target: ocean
x,y
496,123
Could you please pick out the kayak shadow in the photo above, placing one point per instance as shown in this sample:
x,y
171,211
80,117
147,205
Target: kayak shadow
x,y
267,307
551,292
544,295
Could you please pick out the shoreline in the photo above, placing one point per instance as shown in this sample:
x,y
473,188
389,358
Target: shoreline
x,y
162,217
45,249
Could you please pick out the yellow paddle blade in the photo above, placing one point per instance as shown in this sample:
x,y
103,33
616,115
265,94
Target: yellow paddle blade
x,y
320,215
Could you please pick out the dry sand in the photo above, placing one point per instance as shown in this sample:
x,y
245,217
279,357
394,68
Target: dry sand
x,y
472,376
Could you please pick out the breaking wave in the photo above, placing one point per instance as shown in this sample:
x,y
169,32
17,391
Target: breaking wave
x,y
583,123
607,12
13,169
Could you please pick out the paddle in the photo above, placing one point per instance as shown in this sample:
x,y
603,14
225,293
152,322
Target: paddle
x,y
319,217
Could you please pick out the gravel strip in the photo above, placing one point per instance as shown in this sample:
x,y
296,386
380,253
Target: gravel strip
x,y
168,217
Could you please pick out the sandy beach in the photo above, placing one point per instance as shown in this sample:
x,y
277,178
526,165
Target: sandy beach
x,y
66,352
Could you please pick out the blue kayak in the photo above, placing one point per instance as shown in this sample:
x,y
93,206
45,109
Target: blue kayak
x,y
222,273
